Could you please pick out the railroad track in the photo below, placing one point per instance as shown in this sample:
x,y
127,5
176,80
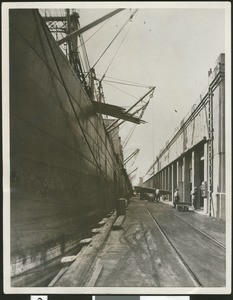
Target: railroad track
x,y
196,281
187,260
202,232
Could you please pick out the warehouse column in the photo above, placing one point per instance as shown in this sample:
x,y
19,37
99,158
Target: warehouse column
x,y
173,184
218,101
155,180
205,185
169,181
163,176
168,174
175,176
161,179
180,178
186,191
165,179
196,174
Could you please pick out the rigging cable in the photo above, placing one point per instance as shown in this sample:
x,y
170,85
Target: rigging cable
x,y
134,159
142,112
140,116
117,50
126,82
84,42
123,26
85,53
122,91
124,123
135,104
129,136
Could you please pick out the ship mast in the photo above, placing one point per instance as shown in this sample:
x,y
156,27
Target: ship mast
x,y
89,26
69,25
72,41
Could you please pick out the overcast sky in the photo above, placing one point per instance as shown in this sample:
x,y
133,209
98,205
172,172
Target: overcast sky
x,y
172,49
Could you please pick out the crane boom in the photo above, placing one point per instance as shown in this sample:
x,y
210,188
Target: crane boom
x,y
149,92
89,26
131,156
133,171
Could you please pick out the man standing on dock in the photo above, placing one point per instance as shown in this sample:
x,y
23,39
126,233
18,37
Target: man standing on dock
x,y
157,194
194,197
176,198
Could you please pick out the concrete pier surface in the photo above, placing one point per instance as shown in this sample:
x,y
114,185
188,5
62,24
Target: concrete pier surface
x,y
158,246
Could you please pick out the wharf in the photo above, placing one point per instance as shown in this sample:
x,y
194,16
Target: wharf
x,y
156,247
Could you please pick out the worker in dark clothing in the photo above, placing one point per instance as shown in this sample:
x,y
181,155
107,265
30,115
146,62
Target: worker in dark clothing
x,y
176,198
194,197
157,195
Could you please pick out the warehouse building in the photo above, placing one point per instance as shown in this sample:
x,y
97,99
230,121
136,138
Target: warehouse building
x,y
195,155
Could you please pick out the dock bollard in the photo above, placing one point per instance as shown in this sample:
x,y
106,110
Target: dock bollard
x,y
121,207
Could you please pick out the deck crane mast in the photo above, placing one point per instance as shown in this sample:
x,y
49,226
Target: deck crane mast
x,y
131,156
69,25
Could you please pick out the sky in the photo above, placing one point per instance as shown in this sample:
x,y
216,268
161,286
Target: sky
x,y
170,48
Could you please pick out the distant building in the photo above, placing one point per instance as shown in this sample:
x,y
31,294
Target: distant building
x,y
195,156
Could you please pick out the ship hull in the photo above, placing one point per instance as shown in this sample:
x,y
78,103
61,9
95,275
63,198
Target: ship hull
x,y
65,174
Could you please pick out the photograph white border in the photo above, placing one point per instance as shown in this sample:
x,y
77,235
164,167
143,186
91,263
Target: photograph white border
x,y
6,152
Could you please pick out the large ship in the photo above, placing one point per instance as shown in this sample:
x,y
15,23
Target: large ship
x,y
66,170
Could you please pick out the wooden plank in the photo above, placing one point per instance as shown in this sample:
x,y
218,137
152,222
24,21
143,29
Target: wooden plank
x,y
96,274
95,230
67,259
118,223
101,223
58,276
76,273
85,241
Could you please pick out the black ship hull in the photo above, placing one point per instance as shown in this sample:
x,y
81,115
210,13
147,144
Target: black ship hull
x,y
65,174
